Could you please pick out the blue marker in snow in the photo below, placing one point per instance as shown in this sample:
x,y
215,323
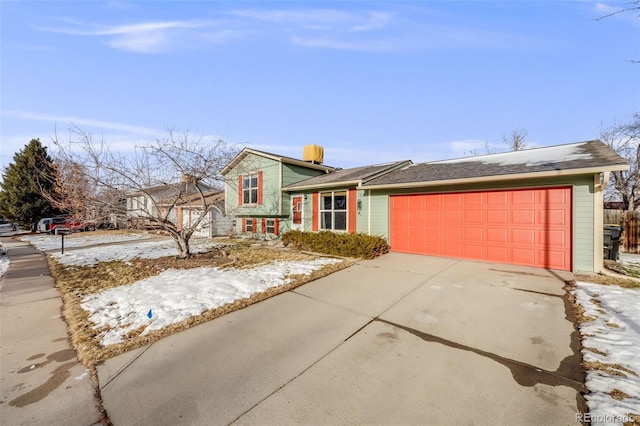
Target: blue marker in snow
x,y
149,314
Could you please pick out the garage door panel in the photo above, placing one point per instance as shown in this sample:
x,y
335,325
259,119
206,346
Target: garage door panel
x,y
497,217
523,237
497,254
526,227
497,235
523,256
497,198
473,251
473,217
473,235
553,217
527,198
523,217
451,250
552,238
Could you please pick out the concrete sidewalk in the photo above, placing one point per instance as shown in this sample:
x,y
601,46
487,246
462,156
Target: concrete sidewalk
x,y
41,381
401,339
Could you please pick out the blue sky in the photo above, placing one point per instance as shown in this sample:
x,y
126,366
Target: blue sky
x,y
370,81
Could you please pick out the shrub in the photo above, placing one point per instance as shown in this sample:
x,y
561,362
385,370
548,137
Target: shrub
x,y
338,244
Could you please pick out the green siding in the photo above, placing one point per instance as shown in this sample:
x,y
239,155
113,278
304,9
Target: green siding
x,y
293,174
275,203
583,210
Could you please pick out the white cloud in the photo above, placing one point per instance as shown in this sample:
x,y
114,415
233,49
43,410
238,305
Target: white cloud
x,y
148,37
364,46
79,121
321,19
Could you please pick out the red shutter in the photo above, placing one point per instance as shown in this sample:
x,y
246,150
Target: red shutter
x,y
240,191
264,226
259,187
255,225
314,211
244,225
276,226
351,208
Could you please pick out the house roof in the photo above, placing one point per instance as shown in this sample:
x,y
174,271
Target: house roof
x,y
281,158
576,158
170,188
347,177
193,200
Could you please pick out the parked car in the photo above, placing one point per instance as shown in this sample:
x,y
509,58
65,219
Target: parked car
x,y
6,225
43,225
59,224
67,224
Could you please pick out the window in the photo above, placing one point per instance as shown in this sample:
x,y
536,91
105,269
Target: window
x,y
333,211
250,189
270,226
248,225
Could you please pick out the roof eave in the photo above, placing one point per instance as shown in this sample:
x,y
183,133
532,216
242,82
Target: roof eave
x,y
247,151
517,176
323,185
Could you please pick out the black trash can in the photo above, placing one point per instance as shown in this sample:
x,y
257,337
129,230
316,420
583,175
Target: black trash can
x,y
612,234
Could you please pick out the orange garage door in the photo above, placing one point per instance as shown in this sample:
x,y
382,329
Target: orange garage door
x,y
524,227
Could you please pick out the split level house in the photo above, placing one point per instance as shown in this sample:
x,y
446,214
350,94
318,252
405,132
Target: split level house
x,y
541,207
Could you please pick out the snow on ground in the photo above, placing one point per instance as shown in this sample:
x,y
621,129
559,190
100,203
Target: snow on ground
x,y
175,295
4,260
51,242
630,260
615,334
91,256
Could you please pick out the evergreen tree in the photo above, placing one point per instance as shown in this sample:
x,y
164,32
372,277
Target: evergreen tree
x,y
31,172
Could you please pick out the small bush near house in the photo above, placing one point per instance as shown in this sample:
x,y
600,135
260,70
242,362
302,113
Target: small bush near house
x,y
338,244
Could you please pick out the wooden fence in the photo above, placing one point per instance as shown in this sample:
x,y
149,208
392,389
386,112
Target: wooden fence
x,y
630,222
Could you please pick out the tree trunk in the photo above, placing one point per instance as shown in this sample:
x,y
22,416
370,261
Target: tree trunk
x,y
182,244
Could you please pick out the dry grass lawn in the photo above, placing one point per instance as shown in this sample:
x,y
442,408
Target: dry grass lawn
x,y
75,283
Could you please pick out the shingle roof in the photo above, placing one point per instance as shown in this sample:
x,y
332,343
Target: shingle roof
x,y
283,158
561,158
352,176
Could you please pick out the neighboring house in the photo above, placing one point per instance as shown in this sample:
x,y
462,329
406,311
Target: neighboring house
x,y
181,204
541,207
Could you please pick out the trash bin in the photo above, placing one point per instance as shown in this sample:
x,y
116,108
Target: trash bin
x,y
612,234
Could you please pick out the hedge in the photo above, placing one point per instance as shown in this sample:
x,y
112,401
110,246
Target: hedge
x,y
338,244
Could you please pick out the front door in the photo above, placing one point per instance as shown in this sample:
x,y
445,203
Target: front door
x,y
297,203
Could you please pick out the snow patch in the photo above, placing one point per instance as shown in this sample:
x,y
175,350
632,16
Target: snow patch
x,y
175,295
46,242
530,157
91,256
614,337
4,265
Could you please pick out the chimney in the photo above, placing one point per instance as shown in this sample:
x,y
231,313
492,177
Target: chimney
x,y
313,154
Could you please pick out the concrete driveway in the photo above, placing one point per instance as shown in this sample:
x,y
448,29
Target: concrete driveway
x,y
401,339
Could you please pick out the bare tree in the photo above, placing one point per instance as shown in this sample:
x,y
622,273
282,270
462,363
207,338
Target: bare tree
x,y
625,140
630,6
151,183
516,140
487,150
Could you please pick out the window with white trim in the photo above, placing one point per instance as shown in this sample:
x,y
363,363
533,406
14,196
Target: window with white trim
x,y
248,225
250,189
333,211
